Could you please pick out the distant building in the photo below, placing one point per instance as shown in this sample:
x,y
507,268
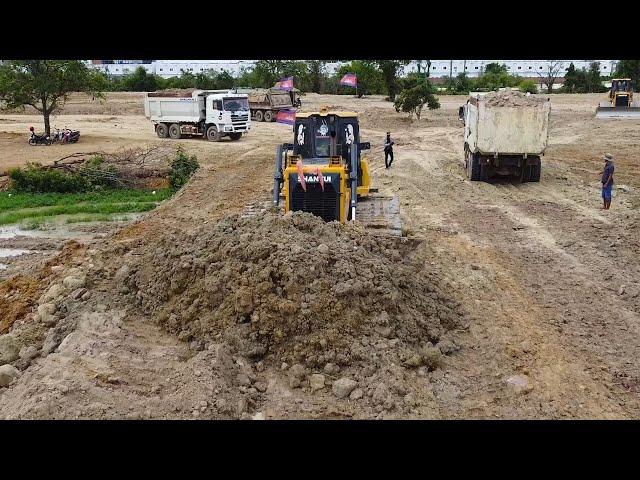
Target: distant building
x,y
437,69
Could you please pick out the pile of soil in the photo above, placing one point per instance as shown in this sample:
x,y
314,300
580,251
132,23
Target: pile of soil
x,y
511,98
292,288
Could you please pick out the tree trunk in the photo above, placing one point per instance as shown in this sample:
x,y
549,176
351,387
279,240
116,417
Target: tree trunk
x,y
47,126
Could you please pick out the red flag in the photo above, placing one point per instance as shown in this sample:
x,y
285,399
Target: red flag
x,y
286,116
350,80
285,84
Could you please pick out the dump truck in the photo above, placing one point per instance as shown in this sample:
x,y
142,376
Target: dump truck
x,y
619,102
505,133
213,114
265,103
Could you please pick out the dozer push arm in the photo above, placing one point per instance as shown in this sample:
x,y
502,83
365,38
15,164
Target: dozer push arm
x,y
353,177
278,179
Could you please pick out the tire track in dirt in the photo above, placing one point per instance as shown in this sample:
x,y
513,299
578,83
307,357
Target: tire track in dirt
x,y
524,313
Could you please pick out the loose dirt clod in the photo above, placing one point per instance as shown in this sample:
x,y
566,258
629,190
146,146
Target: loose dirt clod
x,y
265,286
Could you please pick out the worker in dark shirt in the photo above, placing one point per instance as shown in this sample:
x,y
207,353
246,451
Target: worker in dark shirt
x,y
388,151
607,180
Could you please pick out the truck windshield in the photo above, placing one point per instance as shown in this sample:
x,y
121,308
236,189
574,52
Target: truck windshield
x,y
233,104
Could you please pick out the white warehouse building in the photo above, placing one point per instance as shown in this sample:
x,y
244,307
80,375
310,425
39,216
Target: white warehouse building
x,y
438,68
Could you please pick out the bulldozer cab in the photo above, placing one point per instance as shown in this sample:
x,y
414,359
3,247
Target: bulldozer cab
x,y
319,137
620,102
621,85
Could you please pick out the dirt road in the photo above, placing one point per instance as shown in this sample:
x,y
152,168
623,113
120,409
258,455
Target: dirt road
x,y
550,283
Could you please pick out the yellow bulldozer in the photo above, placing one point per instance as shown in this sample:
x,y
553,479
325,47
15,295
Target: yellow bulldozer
x,y
619,102
325,172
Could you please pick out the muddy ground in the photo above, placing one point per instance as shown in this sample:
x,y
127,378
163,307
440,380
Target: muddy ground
x,y
547,285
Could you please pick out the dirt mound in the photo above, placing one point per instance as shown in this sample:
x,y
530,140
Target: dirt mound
x,y
292,289
511,98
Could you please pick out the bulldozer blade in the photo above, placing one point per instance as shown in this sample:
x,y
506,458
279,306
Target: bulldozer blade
x,y
618,112
380,214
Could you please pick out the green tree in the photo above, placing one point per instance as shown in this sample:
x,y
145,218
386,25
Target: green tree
x,y
370,79
415,94
46,84
528,86
594,81
461,85
224,80
496,76
571,79
266,73
629,69
316,75
140,81
391,69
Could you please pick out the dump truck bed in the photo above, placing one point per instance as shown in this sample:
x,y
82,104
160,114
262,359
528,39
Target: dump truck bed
x,y
174,109
507,130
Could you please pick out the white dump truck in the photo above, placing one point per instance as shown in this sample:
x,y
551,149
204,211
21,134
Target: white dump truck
x,y
505,133
210,113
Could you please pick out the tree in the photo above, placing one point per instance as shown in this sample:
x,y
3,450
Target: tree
x,y
316,76
140,81
416,93
548,78
629,69
462,84
390,70
496,76
571,79
528,86
594,82
584,81
46,84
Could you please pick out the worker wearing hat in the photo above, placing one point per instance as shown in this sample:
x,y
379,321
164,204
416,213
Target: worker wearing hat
x,y
607,180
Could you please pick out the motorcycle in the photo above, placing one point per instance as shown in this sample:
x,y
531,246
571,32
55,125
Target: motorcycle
x,y
35,139
66,136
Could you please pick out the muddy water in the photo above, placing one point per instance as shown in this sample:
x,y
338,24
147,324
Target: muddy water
x,y
10,252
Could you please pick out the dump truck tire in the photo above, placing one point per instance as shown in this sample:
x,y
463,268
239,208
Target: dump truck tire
x,y
534,172
174,131
475,170
259,116
268,116
162,130
212,134
235,136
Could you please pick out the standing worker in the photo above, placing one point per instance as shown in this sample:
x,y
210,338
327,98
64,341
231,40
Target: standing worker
x,y
607,180
388,151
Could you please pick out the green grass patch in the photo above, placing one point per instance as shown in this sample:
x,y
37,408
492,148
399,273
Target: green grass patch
x,y
16,216
14,201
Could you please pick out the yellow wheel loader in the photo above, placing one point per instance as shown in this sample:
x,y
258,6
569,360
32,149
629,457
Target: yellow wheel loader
x,y
620,102
324,172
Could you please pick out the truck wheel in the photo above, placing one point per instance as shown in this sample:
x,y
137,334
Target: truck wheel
x,y
174,131
162,130
474,167
534,172
268,116
212,134
259,116
235,136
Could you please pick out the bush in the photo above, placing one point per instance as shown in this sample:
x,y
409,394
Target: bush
x,y
183,167
528,86
35,179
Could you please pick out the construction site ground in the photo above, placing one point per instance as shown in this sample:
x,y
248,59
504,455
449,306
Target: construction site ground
x,y
548,283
